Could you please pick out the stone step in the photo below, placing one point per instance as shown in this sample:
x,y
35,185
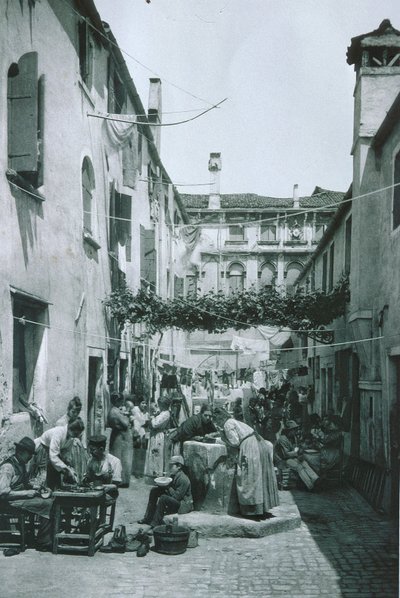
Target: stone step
x,y
210,525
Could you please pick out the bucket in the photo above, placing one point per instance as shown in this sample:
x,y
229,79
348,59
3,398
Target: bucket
x,y
170,539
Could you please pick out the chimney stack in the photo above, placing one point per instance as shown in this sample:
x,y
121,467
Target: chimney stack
x,y
296,202
214,166
155,110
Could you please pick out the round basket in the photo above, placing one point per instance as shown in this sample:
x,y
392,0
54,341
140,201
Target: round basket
x,y
170,541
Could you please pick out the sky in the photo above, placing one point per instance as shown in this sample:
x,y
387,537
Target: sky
x,y
281,64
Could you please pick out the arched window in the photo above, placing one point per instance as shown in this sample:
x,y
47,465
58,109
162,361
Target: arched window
x,y
267,275
236,274
292,274
88,187
396,192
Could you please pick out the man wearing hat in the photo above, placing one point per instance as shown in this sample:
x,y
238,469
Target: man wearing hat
x,y
102,467
16,490
175,498
286,454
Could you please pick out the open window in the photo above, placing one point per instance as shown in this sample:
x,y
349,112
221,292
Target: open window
x,y
267,275
30,317
25,120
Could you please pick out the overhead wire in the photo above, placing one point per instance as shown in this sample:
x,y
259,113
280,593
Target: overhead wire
x,y
111,42
152,124
137,341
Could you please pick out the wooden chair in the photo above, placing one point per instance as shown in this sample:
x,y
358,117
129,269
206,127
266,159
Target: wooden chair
x,y
16,527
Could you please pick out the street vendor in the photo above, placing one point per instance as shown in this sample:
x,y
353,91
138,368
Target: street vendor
x,y
16,491
175,498
195,427
57,455
102,467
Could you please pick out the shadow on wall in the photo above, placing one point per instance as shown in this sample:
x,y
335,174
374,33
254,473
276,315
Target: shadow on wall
x,y
28,210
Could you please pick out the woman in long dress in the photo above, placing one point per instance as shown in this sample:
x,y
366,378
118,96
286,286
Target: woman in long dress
x,y
255,475
156,458
121,444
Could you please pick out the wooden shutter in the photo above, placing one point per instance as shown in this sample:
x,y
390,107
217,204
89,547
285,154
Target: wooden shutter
x,y
148,254
23,115
111,91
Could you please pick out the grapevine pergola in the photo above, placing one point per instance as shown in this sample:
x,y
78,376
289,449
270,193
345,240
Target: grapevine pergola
x,y
216,312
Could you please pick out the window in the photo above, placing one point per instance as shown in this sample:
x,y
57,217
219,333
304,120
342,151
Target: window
x,y
120,224
236,274
148,257
178,286
331,266
347,247
85,51
236,233
25,94
116,90
292,275
267,276
268,232
88,187
396,192
29,328
324,271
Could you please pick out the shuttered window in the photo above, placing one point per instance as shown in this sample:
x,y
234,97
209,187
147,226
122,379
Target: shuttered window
x,y
85,50
23,116
87,194
120,223
396,192
148,257
116,89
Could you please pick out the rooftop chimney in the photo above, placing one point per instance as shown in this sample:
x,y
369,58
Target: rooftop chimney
x,y
296,202
214,166
155,109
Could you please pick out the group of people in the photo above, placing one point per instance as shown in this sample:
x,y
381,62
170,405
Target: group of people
x,y
57,458
275,435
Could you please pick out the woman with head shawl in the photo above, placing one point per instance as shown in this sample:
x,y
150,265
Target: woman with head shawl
x,y
255,475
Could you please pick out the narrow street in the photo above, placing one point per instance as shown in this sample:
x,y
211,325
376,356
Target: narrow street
x,y
341,549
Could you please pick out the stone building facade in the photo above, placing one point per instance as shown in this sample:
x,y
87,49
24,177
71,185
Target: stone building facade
x,y
86,204
359,377
250,241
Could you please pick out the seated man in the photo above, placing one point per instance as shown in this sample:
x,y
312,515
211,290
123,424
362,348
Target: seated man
x,y
102,467
176,498
286,454
195,426
15,490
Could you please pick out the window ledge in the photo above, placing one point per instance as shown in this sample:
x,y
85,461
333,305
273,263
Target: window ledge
x,y
268,242
295,242
17,181
87,237
242,242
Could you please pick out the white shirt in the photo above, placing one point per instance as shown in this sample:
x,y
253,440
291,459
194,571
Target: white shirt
x,y
110,464
54,439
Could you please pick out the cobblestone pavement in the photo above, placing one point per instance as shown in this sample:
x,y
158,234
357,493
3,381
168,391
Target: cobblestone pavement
x,y
341,549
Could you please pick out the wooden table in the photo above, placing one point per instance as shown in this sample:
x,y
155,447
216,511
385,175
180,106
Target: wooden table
x,y
95,503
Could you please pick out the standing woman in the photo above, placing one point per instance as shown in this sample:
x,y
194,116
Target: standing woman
x,y
73,410
121,437
156,458
255,475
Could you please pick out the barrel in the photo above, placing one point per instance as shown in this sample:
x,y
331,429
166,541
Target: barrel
x,y
170,539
